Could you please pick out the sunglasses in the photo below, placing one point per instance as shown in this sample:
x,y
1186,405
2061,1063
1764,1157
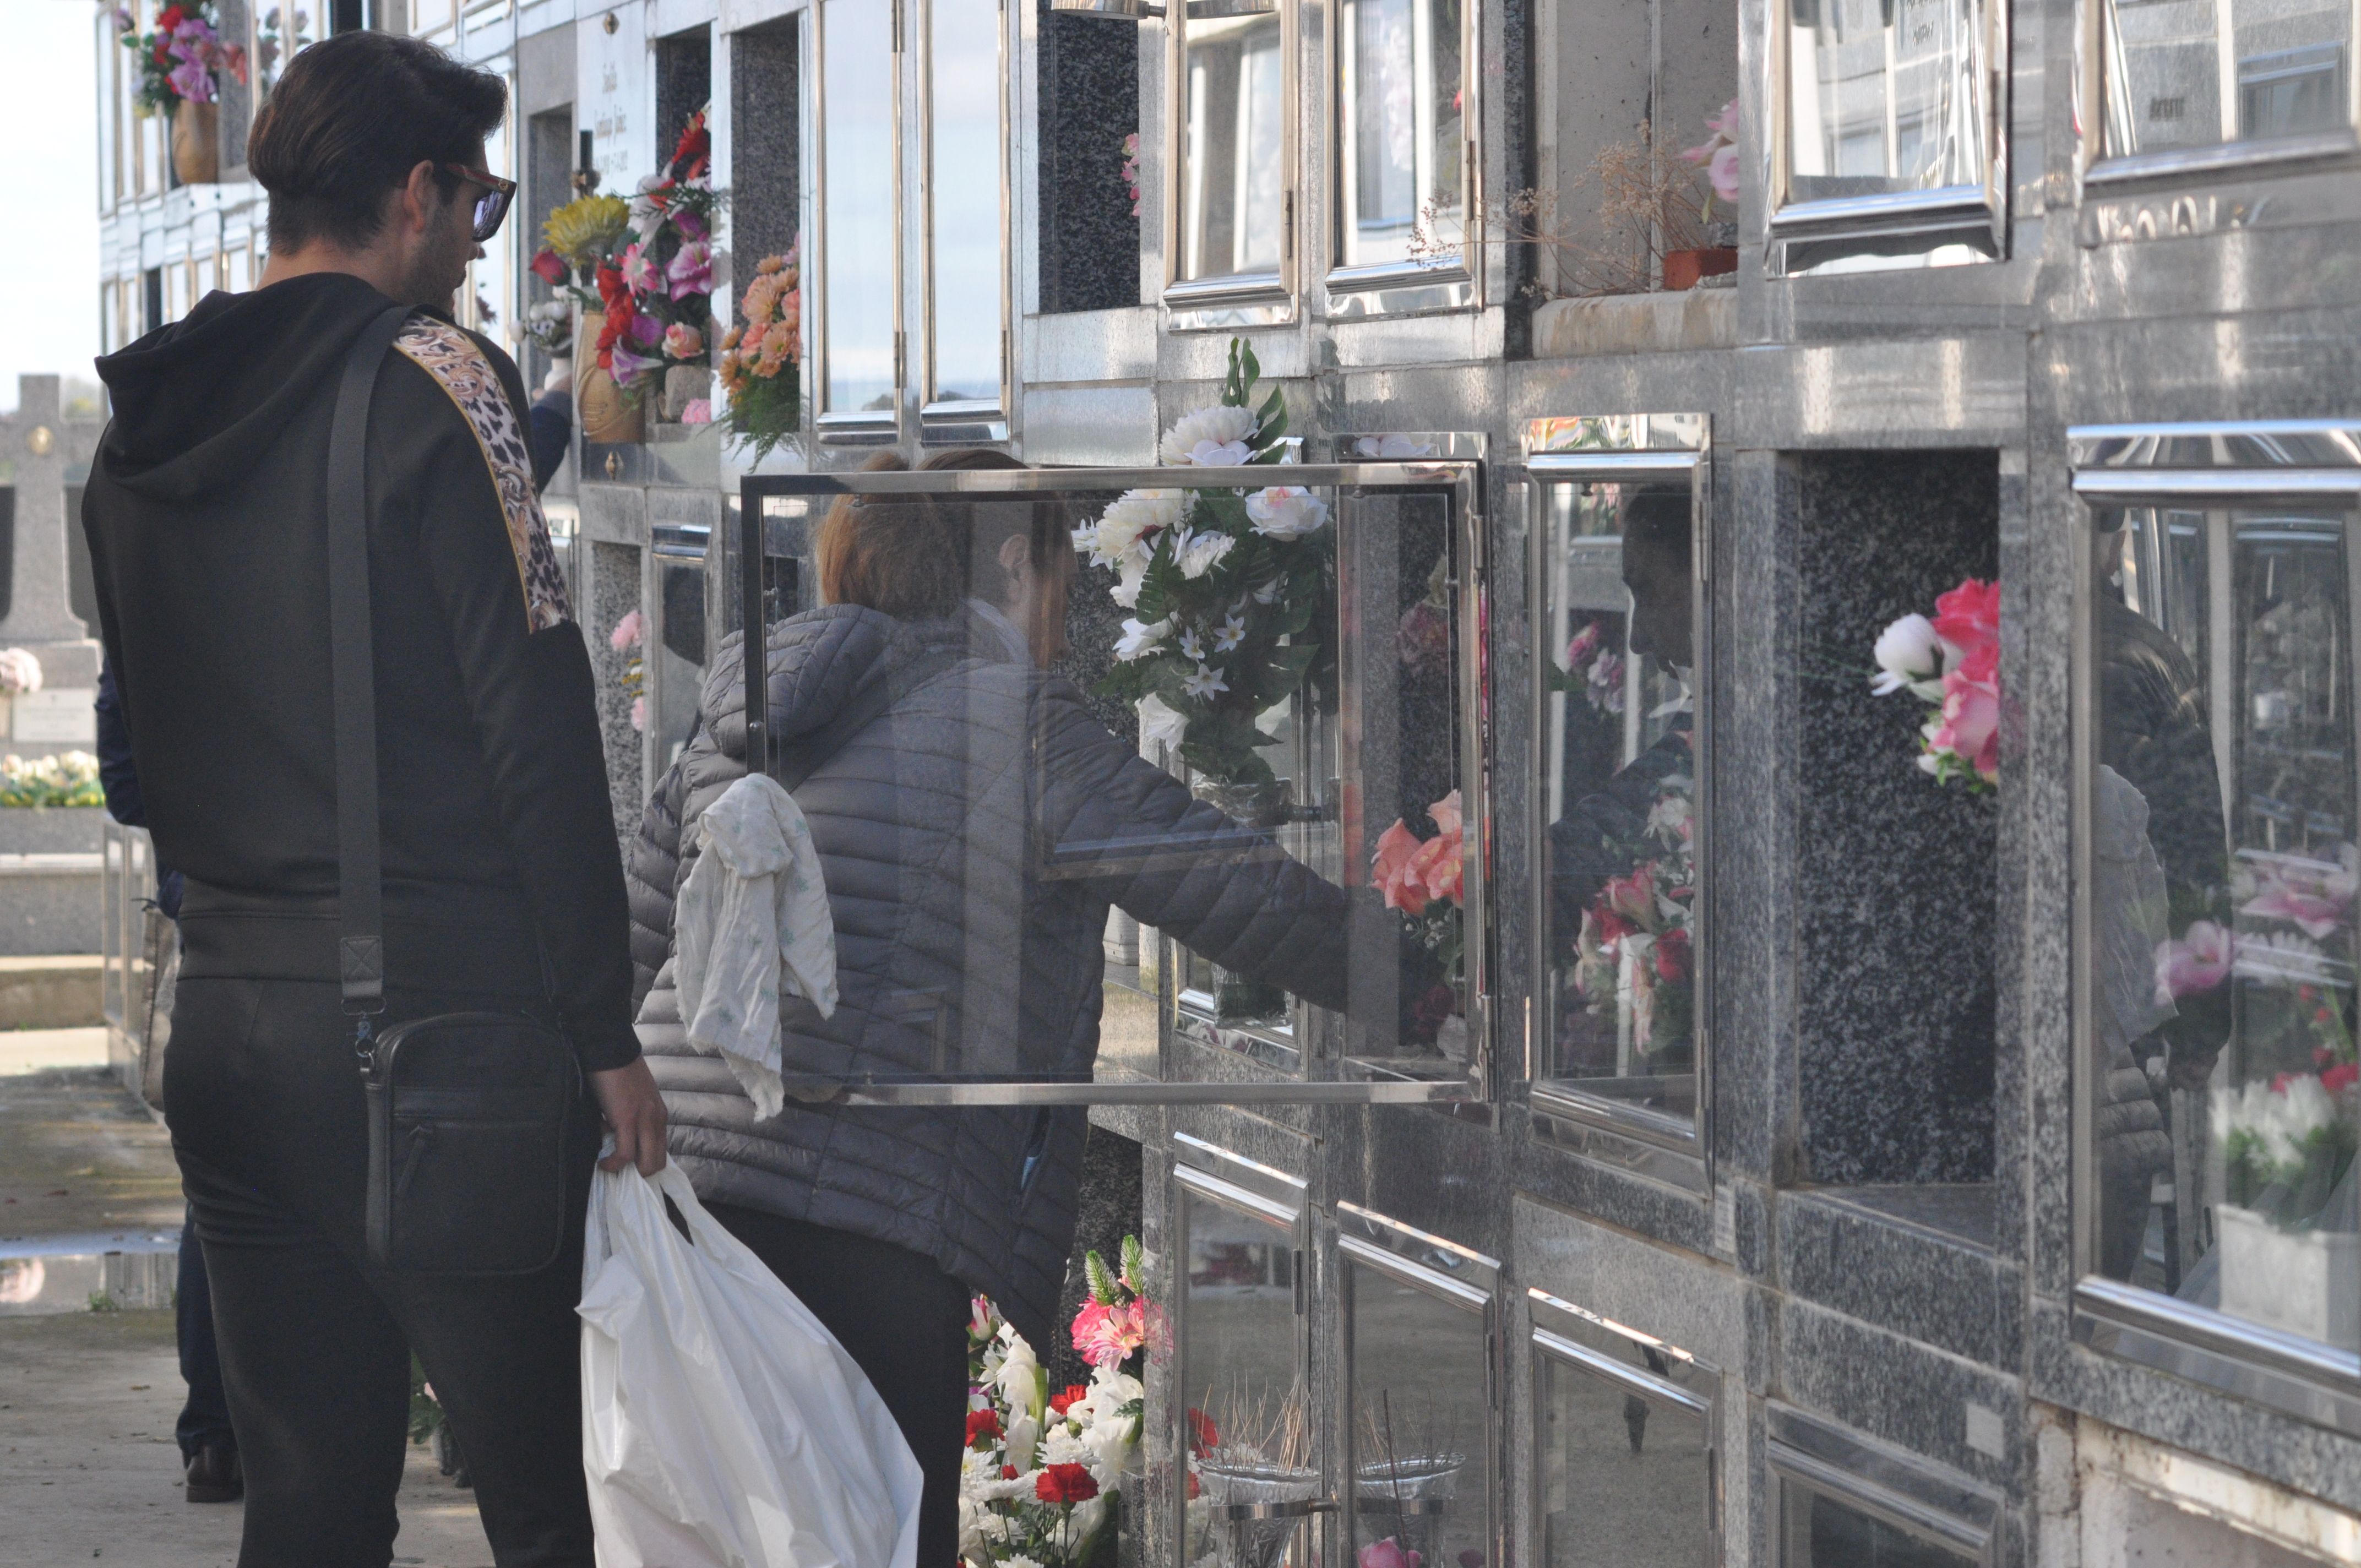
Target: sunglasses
x,y
492,206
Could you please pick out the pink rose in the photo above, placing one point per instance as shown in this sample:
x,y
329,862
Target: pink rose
x,y
1437,866
1389,1553
1969,724
628,632
1967,617
1397,846
682,341
1445,813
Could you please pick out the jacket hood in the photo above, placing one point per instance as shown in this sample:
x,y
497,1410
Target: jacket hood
x,y
197,403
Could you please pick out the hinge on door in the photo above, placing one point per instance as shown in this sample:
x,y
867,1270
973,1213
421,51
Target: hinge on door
x,y
901,376
1287,227
1008,369
1303,1302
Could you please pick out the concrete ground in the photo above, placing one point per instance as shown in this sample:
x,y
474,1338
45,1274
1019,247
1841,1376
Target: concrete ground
x,y
88,1467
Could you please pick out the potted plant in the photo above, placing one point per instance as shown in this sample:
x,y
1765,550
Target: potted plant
x,y
179,66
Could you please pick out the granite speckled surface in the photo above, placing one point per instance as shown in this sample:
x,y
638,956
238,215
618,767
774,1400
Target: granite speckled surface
x,y
1112,1174
615,593
1896,876
1089,250
1910,1277
1908,1394
767,163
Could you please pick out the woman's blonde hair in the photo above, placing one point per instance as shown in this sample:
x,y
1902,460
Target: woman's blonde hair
x,y
918,557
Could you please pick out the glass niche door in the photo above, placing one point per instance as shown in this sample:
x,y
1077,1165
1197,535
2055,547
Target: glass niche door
x,y
2220,1080
1624,1445
1418,1397
1240,715
1230,257
1403,164
1617,510
1887,131
2209,78
1242,1430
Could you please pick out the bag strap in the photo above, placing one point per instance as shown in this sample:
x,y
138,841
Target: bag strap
x,y
360,897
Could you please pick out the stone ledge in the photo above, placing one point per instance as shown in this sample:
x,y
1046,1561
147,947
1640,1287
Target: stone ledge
x,y
53,991
1690,319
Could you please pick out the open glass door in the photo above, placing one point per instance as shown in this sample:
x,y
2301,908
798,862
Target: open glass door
x,y
1261,750
1619,511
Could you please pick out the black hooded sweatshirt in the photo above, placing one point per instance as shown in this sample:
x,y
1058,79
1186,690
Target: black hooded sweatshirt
x,y
206,514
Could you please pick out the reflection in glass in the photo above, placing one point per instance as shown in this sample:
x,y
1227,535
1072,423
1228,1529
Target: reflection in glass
x,y
1399,95
1624,1479
856,194
1415,1445
2202,73
680,665
963,184
2222,895
1246,1426
1885,96
1820,1531
1206,987
1233,181
1618,788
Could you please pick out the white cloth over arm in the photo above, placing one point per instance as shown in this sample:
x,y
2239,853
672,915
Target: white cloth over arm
x,y
752,917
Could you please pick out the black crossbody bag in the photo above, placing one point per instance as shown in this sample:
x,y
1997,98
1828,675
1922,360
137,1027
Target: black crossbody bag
x,y
472,1116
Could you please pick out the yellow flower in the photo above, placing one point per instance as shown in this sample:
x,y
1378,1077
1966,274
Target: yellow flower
x,y
581,230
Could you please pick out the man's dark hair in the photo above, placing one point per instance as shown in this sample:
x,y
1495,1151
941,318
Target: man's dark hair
x,y
349,120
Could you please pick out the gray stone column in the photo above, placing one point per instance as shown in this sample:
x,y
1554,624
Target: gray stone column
x,y
40,616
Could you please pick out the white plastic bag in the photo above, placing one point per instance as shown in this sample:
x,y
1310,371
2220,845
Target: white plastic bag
x,y
722,1425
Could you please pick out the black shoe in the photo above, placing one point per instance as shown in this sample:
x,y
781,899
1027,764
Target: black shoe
x,y
215,1475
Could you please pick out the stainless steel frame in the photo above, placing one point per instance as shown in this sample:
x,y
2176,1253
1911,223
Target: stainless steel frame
x,y
1549,1321
2212,464
1244,300
1213,1175
1903,226
1671,448
1342,1080
1409,288
1912,1495
1459,1277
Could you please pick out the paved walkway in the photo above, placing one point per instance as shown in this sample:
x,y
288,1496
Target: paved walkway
x,y
88,1468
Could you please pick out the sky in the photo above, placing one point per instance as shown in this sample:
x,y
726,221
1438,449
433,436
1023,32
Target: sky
x,y
49,178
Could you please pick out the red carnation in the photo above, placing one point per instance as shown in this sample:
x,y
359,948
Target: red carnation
x,y
173,17
982,1423
1074,1393
2340,1077
1203,1438
1009,1473
1065,1485
547,265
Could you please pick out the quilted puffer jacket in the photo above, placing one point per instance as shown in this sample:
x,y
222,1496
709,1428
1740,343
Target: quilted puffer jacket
x,y
972,835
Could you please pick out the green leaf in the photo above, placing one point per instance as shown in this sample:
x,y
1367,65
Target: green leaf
x,y
1101,1283
1133,1261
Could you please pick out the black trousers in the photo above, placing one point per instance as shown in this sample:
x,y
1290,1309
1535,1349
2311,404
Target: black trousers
x,y
204,1418
268,1119
904,1321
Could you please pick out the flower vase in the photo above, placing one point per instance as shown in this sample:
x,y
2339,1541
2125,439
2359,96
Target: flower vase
x,y
607,416
1252,1510
1404,1501
196,142
1237,999
1685,268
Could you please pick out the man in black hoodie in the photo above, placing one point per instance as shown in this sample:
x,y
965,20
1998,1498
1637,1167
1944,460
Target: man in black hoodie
x,y
207,520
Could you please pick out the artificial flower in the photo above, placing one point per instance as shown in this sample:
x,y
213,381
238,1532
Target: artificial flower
x,y
691,270
984,1424
639,270
1161,725
1204,683
1190,646
1141,638
1389,1553
697,410
2311,894
1067,1485
2197,960
1230,634
1909,658
682,341
1106,1335
1967,618
1200,552
1132,518
1286,511
1391,871
627,632
1215,436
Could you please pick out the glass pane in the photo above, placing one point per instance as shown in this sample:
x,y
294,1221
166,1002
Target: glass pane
x,y
963,66
1247,1425
1885,96
1618,785
857,87
2201,72
1398,100
1414,1446
1624,1479
2223,907
1019,809
680,665
1232,185
1820,1532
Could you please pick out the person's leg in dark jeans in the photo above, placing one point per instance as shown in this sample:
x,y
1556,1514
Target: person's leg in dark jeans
x,y
208,1445
268,1121
904,1321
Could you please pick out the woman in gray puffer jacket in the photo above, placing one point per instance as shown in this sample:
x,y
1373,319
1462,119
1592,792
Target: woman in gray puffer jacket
x,y
973,835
